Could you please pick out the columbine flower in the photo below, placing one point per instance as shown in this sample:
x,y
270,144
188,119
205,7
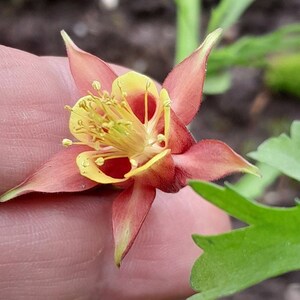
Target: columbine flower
x,y
131,132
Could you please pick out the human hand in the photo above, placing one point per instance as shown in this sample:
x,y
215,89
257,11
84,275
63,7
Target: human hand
x,y
60,246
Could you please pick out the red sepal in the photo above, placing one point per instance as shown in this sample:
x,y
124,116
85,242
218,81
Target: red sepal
x,y
129,211
59,174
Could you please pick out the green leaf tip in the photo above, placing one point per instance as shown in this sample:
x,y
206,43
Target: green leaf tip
x,y
202,241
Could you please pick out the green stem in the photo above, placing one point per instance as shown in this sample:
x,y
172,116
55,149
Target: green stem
x,y
188,24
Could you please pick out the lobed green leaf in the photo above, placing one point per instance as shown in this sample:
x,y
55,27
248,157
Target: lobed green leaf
x,y
238,259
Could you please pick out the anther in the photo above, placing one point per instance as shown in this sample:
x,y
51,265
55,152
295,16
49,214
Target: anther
x,y
68,107
106,95
133,162
108,125
161,138
82,104
124,122
67,142
96,85
99,161
167,103
164,96
85,163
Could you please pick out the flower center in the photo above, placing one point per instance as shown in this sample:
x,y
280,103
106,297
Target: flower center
x,y
108,124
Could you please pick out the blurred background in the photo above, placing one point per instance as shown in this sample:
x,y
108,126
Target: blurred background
x,y
141,35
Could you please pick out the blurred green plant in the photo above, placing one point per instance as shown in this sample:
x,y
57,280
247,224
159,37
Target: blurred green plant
x,y
269,246
259,52
227,13
282,74
188,22
255,51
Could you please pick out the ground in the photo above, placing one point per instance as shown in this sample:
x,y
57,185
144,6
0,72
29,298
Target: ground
x,y
140,34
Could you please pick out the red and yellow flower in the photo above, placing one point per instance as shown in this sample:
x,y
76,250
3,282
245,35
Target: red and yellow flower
x,y
131,132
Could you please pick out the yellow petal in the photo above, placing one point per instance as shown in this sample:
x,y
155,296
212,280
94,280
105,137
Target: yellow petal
x,y
140,93
133,83
88,168
148,164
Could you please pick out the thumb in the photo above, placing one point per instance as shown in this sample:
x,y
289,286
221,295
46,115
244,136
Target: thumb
x,y
34,91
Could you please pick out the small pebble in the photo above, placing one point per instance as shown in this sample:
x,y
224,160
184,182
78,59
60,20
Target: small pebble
x,y
292,292
109,4
80,29
140,65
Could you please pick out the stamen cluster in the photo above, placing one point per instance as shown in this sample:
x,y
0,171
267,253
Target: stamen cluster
x,y
108,124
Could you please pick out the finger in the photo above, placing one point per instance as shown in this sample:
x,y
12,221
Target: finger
x,y
51,246
33,121
62,248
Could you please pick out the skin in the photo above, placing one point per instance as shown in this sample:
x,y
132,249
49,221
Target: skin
x,y
60,246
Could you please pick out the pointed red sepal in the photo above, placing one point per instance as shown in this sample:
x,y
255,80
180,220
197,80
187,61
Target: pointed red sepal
x,y
185,82
129,211
210,160
87,68
180,139
59,174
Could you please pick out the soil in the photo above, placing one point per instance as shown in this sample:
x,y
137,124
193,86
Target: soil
x,y
140,34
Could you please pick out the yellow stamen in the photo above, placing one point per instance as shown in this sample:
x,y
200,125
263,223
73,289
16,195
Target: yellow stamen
x,y
146,103
107,123
133,162
99,161
67,142
148,164
164,96
161,138
96,85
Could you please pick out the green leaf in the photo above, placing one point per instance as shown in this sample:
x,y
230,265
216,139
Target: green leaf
x,y
227,13
217,83
282,153
245,185
238,259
